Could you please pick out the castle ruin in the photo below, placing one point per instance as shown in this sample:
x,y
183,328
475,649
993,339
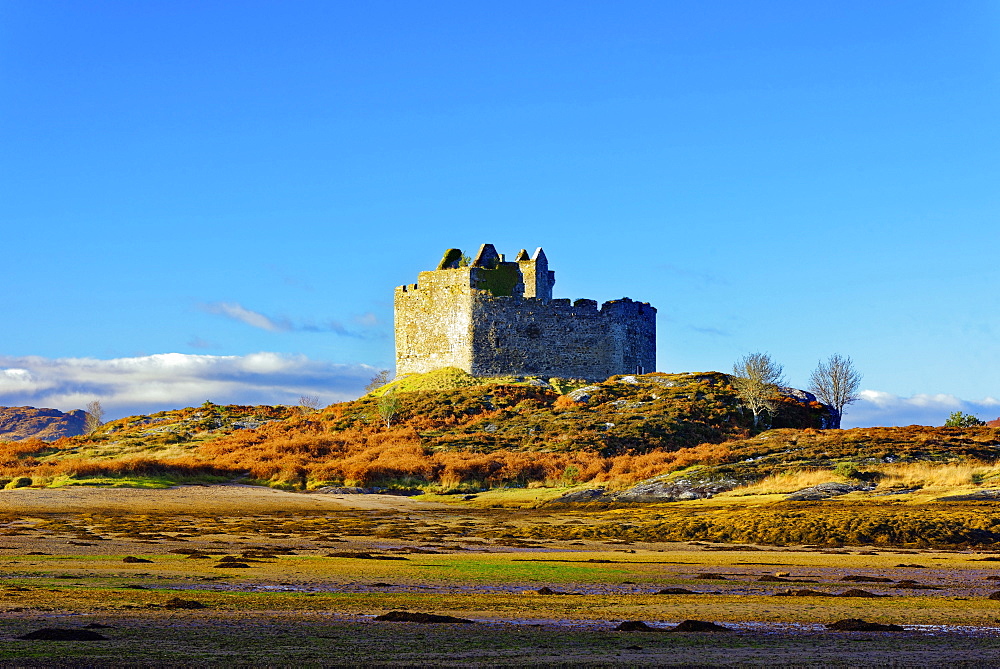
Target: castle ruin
x,y
493,317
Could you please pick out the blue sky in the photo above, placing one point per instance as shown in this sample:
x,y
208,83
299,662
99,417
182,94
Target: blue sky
x,y
214,200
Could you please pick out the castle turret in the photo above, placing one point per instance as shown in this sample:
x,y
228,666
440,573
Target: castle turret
x,y
538,279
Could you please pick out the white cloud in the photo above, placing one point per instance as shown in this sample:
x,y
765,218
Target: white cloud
x,y
14,379
172,380
152,383
252,318
368,320
881,408
238,312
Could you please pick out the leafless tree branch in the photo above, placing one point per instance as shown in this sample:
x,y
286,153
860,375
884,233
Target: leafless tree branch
x,y
95,417
836,383
756,378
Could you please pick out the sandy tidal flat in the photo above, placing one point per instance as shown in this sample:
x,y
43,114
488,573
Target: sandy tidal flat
x,y
154,572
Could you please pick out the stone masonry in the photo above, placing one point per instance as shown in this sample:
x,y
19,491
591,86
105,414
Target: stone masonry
x,y
493,317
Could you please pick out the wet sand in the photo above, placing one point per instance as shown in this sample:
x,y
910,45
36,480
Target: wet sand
x,y
228,498
306,596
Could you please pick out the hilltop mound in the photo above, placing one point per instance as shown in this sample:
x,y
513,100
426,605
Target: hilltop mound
x,y
624,413
450,378
650,437
46,424
494,433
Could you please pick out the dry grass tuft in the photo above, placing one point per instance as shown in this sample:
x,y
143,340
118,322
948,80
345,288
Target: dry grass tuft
x,y
787,482
936,475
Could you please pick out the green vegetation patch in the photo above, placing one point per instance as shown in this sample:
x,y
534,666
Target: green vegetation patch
x,y
500,281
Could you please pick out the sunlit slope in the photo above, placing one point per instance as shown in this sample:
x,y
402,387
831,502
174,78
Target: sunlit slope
x,y
449,432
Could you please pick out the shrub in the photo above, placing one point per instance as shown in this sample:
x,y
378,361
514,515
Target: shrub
x,y
959,419
848,471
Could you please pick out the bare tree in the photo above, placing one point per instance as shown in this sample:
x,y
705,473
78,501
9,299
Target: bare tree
x,y
383,377
388,407
95,417
309,404
836,382
756,378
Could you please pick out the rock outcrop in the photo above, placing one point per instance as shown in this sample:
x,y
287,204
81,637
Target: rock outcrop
x,y
48,424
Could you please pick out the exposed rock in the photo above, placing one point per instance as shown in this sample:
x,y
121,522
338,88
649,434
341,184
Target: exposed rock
x,y
825,491
407,617
580,496
583,395
545,590
673,490
978,496
131,559
858,625
798,395
677,591
46,424
699,626
361,555
857,592
178,603
633,626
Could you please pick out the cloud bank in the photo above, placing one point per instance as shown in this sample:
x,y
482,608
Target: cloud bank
x,y
128,386
146,384
880,408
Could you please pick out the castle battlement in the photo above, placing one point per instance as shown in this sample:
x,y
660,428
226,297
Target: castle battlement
x,y
494,317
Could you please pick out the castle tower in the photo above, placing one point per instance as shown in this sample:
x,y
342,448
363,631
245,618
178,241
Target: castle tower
x,y
538,279
493,317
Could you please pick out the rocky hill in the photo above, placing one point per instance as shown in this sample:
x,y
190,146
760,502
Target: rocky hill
x,y
627,439
472,434
46,424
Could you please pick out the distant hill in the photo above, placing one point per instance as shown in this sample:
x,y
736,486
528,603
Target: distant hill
x,y
47,424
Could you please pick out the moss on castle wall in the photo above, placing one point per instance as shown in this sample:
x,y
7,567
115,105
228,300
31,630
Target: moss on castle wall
x,y
500,281
451,260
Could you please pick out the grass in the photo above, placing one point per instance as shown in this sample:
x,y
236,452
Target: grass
x,y
947,476
632,578
450,378
516,445
326,620
785,482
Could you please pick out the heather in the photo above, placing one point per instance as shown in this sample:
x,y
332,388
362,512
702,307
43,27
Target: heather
x,y
510,434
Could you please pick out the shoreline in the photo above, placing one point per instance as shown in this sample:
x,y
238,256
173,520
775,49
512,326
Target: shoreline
x,y
223,497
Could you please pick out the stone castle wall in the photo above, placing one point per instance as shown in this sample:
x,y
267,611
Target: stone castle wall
x,y
497,318
434,322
